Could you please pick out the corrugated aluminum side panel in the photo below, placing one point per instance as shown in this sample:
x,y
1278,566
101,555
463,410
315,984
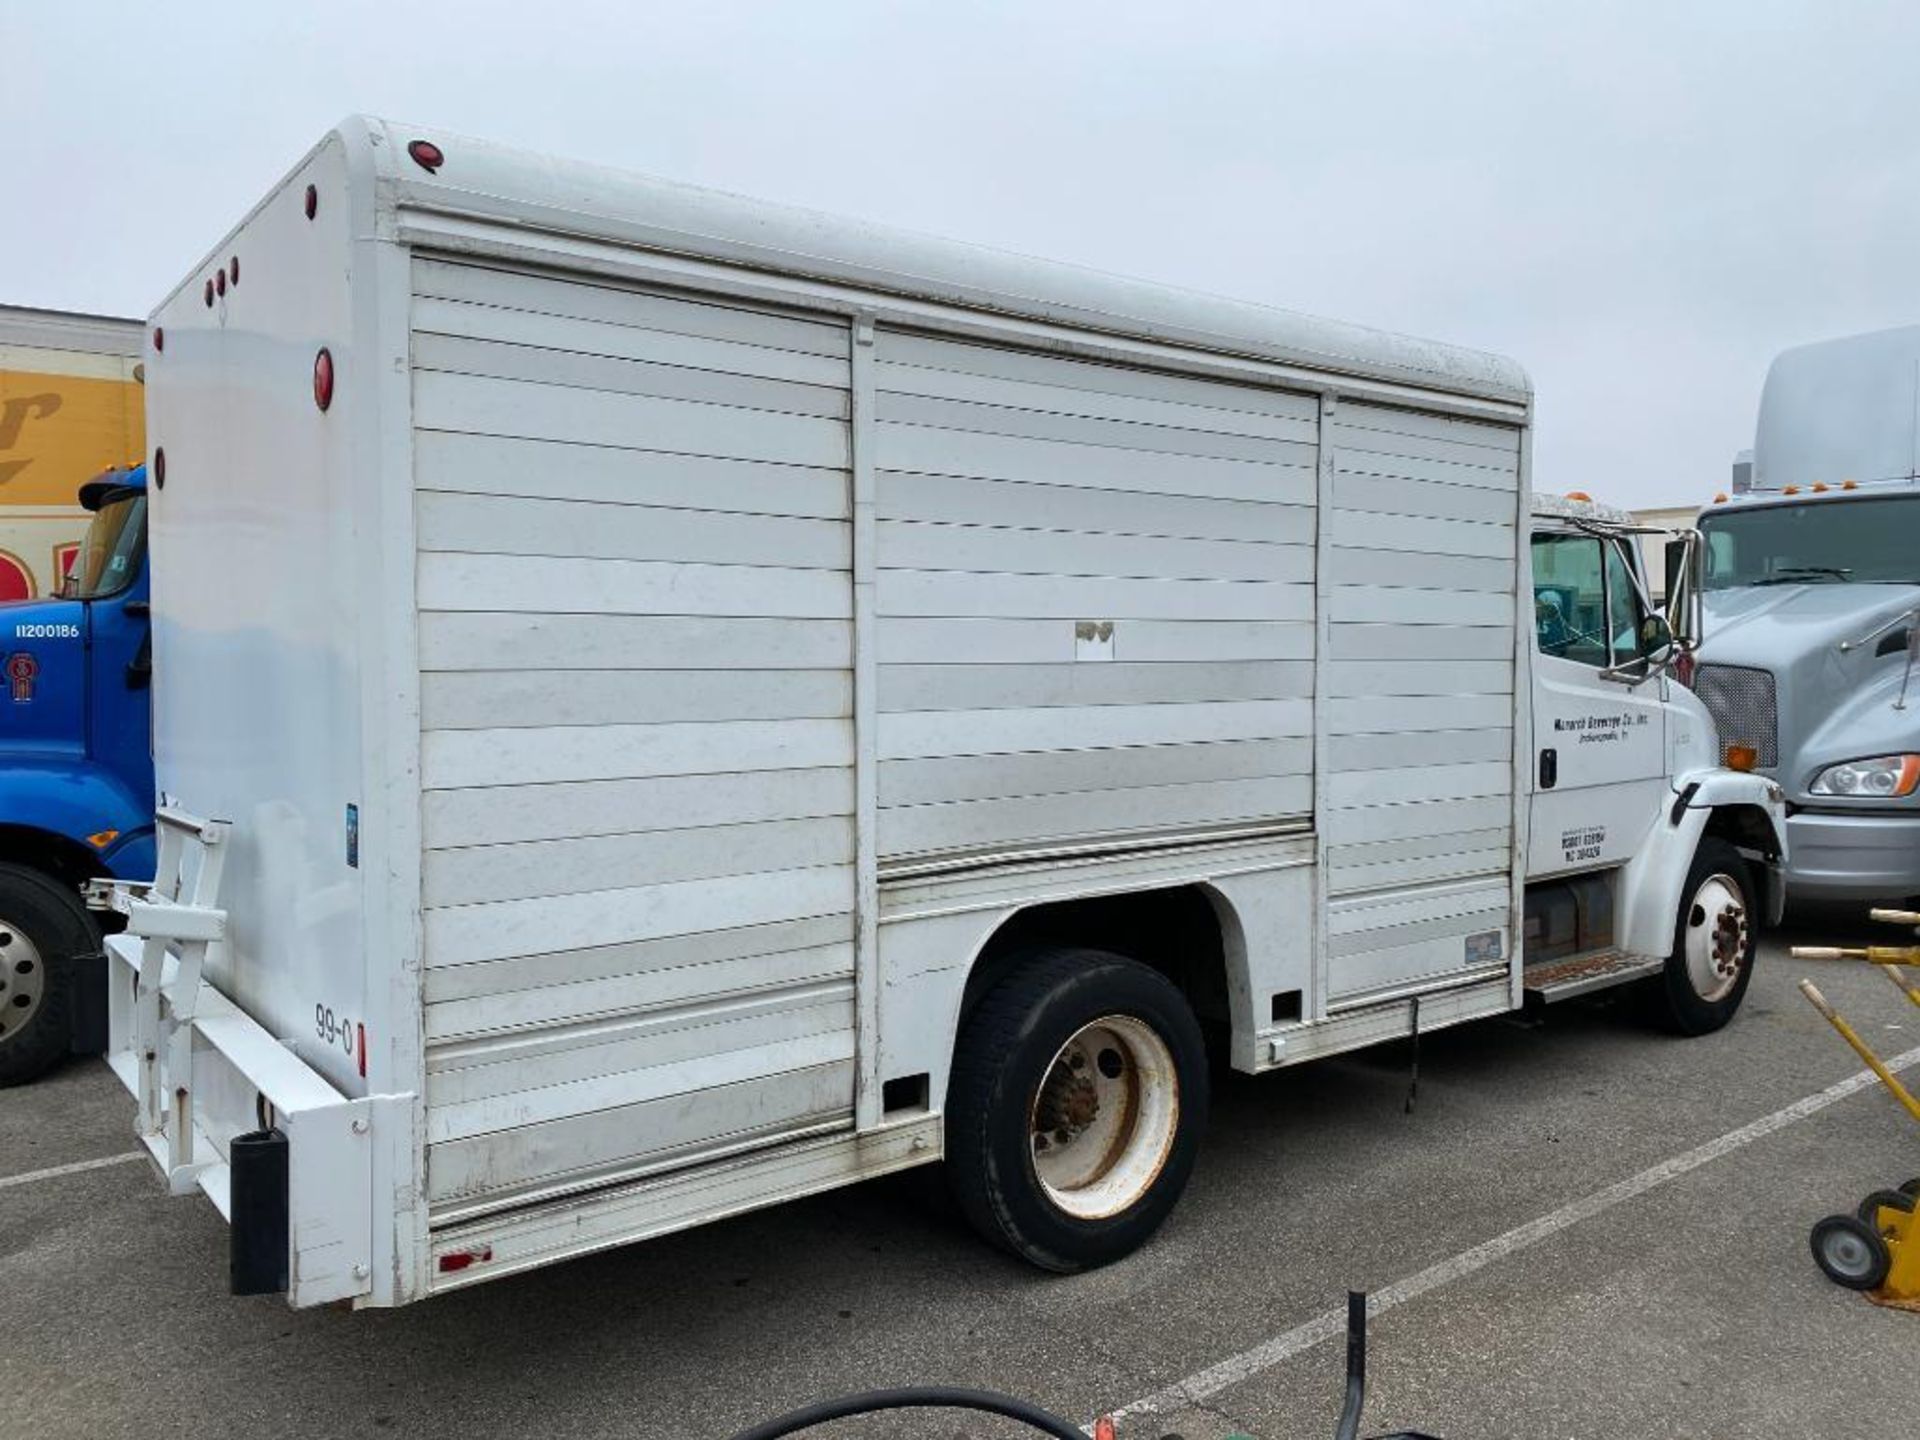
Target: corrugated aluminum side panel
x,y
637,740
1095,600
1420,711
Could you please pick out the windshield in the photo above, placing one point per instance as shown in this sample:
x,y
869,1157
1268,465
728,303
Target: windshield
x,y
109,555
1827,542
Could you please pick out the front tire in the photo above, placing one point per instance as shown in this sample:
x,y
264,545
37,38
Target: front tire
x,y
1078,1096
1714,935
42,927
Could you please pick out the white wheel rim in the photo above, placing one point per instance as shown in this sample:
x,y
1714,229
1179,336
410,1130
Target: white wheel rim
x,y
23,980
1103,1119
1716,937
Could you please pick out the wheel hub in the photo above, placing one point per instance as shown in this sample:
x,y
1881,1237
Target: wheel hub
x,y
1068,1101
1717,937
22,979
1729,940
1104,1117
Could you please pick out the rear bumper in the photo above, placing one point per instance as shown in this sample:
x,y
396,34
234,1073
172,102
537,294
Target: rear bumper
x,y
204,1075
1856,857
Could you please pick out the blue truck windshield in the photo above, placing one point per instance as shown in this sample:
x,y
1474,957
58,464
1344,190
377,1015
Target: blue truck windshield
x,y
109,557
1822,542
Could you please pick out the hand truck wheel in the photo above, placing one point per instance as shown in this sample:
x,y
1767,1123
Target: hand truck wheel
x,y
1851,1252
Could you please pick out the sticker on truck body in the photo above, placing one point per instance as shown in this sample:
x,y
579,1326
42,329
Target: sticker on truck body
x,y
1600,729
1484,948
22,670
1583,842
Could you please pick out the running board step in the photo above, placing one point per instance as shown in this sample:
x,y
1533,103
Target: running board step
x,y
1563,979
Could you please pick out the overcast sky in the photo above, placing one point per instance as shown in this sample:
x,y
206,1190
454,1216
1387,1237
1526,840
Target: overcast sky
x,y
1639,202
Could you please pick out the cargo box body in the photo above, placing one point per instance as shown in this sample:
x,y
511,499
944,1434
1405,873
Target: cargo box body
x,y
692,630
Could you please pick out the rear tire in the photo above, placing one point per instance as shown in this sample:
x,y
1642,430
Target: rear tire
x,y
42,927
1714,935
1075,1108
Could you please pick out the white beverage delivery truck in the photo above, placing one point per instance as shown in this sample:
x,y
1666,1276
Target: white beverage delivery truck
x,y
666,704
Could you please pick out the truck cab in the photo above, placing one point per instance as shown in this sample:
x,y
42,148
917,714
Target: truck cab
x,y
1631,811
1812,600
76,777
1812,607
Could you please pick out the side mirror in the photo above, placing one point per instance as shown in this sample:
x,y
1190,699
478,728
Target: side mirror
x,y
1684,557
1656,640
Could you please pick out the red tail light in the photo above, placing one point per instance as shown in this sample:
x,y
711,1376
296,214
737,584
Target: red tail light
x,y
159,338
220,282
233,270
323,379
209,294
426,155
458,1260
313,201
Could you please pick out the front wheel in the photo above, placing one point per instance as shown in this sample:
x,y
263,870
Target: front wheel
x,y
1708,971
1078,1095
42,927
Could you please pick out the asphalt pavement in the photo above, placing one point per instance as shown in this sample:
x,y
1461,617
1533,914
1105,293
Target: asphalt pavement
x,y
1583,1229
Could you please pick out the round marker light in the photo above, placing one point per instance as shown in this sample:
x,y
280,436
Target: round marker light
x,y
1849,484
159,338
1819,487
1791,490
209,294
1742,756
323,379
220,281
427,155
313,202
1579,495
1720,499
233,270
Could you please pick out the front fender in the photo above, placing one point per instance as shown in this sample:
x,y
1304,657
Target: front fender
x,y
75,800
1750,809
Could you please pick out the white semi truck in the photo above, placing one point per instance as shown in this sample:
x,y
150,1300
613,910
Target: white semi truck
x,y
667,704
1812,607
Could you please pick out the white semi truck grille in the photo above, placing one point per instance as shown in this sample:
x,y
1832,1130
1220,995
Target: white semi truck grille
x,y
1741,701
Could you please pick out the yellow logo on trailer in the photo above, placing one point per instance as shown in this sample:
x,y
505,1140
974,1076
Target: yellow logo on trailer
x,y
57,430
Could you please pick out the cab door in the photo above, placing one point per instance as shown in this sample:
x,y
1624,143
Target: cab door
x,y
1599,744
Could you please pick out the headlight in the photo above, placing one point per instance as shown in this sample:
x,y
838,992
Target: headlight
x,y
1883,777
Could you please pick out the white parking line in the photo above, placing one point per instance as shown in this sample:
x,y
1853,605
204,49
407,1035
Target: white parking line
x,y
54,1172
1204,1384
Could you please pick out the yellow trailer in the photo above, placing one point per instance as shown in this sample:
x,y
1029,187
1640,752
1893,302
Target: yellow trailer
x,y
71,406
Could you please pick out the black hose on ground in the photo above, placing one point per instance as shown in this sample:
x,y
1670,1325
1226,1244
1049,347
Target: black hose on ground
x,y
945,1397
1349,1425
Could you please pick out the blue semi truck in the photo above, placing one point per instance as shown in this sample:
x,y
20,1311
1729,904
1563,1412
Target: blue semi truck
x,y
76,778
